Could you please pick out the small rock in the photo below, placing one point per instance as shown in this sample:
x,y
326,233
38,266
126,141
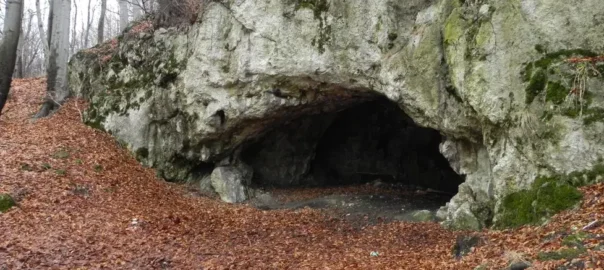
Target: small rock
x,y
481,267
423,216
464,244
577,263
519,266
377,183
228,182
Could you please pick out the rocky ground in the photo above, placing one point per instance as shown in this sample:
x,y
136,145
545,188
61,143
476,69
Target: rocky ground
x,y
83,202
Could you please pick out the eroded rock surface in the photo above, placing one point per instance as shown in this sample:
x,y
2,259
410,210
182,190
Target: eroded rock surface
x,y
491,76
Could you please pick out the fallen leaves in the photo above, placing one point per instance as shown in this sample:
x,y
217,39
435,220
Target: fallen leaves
x,y
106,211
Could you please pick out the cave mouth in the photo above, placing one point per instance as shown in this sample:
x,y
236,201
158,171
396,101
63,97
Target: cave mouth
x,y
367,143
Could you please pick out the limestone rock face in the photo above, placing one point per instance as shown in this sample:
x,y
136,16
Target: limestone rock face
x,y
491,76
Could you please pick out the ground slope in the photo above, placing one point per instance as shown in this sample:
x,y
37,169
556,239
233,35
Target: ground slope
x,y
84,202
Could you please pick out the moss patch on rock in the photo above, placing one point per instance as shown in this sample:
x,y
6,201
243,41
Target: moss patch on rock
x,y
552,78
6,202
546,197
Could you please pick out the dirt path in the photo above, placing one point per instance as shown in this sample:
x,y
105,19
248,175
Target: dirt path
x,y
85,203
361,206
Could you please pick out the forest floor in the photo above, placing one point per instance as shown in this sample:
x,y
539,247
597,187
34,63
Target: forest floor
x,y
85,203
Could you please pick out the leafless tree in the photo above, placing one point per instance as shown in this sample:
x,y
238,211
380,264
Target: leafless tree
x,y
57,91
124,17
88,24
8,48
41,30
101,28
137,9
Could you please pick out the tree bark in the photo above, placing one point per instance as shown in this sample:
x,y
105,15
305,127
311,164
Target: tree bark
x,y
41,30
137,10
123,14
74,40
101,28
19,65
8,48
88,24
57,89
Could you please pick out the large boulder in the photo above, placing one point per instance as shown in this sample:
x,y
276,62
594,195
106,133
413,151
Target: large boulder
x,y
230,182
495,77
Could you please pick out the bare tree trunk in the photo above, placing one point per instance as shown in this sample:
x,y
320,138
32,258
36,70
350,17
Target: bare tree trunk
x,y
123,14
74,40
101,28
19,64
41,30
49,26
137,9
8,48
88,24
31,51
57,89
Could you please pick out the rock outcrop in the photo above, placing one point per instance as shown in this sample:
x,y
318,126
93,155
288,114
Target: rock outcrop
x,y
492,76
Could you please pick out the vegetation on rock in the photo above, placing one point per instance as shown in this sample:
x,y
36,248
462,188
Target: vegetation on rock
x,y
546,197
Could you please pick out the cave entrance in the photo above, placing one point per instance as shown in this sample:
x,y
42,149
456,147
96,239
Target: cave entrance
x,y
355,156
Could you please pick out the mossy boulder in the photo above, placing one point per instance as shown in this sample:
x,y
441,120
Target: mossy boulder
x,y
6,202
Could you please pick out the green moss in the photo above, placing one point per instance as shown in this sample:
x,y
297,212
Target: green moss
x,y
553,197
6,202
26,167
98,168
556,92
536,73
540,48
536,85
546,197
547,115
142,152
572,112
586,177
563,254
593,115
454,27
575,240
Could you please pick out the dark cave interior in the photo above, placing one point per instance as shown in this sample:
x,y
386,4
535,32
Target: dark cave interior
x,y
368,141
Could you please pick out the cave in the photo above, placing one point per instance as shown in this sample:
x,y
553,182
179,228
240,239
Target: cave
x,y
369,141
